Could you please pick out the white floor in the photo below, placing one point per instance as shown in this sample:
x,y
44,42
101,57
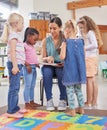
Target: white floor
x,y
102,96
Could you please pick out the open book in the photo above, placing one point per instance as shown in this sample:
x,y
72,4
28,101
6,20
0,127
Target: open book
x,y
52,64
45,63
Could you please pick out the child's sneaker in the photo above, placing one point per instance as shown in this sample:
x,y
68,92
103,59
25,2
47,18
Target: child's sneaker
x,y
33,104
50,105
87,106
29,107
94,106
62,105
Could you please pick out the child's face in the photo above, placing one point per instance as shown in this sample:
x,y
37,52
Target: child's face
x,y
32,39
68,31
20,25
81,28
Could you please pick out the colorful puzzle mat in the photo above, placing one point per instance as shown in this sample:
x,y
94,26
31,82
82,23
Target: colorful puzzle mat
x,y
44,120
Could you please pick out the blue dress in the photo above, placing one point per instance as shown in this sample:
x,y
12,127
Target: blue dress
x,y
74,71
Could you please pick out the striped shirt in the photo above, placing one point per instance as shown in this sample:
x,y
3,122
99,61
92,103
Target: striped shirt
x,y
20,52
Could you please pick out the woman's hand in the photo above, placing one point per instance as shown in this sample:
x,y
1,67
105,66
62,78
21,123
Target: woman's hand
x,y
50,59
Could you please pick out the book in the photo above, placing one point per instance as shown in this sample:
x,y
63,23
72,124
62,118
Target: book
x,y
52,64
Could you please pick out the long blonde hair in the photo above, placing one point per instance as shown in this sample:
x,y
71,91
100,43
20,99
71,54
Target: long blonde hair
x,y
14,17
91,25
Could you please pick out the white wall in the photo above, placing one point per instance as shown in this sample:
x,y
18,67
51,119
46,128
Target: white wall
x,y
60,7
98,14
54,6
25,7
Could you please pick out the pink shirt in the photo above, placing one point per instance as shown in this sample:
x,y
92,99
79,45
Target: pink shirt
x,y
30,53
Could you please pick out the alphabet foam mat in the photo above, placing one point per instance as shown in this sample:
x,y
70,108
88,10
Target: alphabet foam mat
x,y
44,120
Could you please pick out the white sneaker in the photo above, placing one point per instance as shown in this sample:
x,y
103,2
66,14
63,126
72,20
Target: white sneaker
x,y
88,106
50,105
62,105
94,106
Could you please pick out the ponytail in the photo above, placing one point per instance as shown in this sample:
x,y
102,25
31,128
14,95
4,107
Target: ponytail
x,y
4,36
25,34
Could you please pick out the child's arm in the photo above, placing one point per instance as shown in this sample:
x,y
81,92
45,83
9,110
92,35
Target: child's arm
x,y
29,69
15,68
63,51
93,41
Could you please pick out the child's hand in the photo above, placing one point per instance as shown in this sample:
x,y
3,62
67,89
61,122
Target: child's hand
x,y
15,70
29,69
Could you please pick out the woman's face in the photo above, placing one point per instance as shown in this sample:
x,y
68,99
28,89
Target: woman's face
x,y
54,29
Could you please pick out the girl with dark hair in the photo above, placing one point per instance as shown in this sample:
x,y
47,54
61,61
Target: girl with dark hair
x,y
50,53
30,38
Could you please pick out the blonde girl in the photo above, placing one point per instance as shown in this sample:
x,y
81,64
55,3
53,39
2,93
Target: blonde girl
x,y
72,52
91,35
16,60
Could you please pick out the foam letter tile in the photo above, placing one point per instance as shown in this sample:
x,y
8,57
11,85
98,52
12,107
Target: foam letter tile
x,y
25,123
85,127
48,125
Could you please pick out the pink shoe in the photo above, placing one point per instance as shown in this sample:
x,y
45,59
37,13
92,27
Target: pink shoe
x,y
15,115
22,111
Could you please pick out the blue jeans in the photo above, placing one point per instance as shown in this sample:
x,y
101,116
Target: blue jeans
x,y
30,82
14,87
48,73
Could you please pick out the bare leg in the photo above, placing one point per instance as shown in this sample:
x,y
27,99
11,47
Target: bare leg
x,y
95,91
89,90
